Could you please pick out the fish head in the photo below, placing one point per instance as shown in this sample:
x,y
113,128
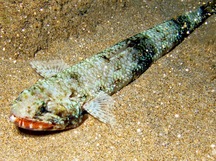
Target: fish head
x,y
35,111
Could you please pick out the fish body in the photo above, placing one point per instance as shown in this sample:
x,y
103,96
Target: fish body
x,y
61,100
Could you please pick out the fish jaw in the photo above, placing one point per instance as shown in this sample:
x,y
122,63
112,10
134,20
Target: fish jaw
x,y
34,125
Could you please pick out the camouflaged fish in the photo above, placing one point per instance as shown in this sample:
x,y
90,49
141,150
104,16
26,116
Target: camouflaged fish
x,y
61,100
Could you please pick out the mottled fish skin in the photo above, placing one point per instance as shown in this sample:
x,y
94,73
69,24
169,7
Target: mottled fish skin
x,y
60,102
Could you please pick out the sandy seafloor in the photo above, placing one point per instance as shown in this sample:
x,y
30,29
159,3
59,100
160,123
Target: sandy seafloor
x,y
169,113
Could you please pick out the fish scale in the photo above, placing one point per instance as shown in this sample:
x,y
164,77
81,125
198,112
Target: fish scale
x,y
62,99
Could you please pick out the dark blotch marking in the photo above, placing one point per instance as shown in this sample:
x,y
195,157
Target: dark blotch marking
x,y
102,88
106,58
74,76
73,93
145,51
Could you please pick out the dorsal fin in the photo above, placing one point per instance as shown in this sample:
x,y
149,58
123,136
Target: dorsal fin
x,y
49,68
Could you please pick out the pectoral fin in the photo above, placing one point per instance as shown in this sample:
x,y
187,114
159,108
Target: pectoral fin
x,y
101,107
49,68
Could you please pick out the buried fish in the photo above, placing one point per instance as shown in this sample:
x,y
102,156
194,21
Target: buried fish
x,y
61,100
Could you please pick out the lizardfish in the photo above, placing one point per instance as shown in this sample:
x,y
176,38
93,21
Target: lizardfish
x,y
67,93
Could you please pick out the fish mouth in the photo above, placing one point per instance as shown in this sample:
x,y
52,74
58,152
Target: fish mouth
x,y
34,125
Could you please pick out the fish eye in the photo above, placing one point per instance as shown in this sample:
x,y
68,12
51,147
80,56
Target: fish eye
x,y
43,108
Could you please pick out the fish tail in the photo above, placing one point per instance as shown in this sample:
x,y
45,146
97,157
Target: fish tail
x,y
192,20
210,7
154,43
177,29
